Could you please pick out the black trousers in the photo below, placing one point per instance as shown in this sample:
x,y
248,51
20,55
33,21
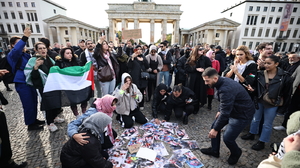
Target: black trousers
x,y
178,110
138,117
142,90
5,148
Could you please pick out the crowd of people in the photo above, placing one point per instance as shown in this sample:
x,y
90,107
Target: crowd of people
x,y
251,88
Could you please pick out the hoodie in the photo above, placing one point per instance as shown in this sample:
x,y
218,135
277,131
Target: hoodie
x,y
126,100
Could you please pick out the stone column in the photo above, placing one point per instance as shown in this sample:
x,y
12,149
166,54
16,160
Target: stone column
x,y
164,30
233,39
201,39
205,36
214,36
58,35
152,31
136,26
111,30
70,36
77,33
105,31
196,38
175,38
50,35
225,39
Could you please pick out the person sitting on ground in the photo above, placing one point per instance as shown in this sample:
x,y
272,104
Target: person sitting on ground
x,y
74,155
106,104
159,103
127,107
182,99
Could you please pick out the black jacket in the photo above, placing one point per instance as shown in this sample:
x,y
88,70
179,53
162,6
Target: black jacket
x,y
74,155
158,98
235,102
63,63
168,59
52,53
180,67
220,56
101,61
181,100
135,67
78,52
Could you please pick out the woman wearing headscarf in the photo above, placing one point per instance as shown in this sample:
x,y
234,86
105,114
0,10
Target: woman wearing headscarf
x,y
106,104
155,65
159,103
74,155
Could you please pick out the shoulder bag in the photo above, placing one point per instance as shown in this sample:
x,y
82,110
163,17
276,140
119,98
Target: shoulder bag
x,y
105,74
274,102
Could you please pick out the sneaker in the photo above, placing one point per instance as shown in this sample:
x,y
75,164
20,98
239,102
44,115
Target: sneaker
x,y
59,120
248,136
234,159
209,151
34,127
258,146
279,128
52,127
141,108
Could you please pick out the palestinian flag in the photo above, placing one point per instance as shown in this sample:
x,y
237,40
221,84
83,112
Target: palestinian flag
x,y
70,85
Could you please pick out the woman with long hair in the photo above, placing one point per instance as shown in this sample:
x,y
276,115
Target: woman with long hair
x,y
194,67
36,72
277,83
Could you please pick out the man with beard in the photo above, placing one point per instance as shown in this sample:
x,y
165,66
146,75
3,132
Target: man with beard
x,y
181,74
81,46
265,50
236,109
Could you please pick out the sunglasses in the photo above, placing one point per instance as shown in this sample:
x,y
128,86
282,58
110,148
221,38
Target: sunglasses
x,y
161,46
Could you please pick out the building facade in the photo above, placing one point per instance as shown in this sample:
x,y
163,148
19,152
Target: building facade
x,y
14,15
267,21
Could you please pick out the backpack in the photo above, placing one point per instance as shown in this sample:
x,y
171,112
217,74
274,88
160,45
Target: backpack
x,y
9,77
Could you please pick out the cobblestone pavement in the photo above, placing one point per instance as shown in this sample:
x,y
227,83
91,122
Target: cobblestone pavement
x,y
41,149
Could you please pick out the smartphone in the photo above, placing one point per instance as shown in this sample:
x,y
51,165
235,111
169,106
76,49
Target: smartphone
x,y
189,100
27,25
245,85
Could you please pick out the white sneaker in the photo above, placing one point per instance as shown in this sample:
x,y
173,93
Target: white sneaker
x,y
59,120
52,127
279,128
141,108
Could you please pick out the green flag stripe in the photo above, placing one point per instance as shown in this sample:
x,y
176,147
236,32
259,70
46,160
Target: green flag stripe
x,y
72,71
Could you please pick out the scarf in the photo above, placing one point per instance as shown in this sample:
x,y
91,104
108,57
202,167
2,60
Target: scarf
x,y
103,105
96,123
241,68
106,56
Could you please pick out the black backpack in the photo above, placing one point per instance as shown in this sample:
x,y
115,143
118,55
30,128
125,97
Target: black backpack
x,y
9,77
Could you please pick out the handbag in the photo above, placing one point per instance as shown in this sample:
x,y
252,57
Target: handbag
x,y
105,74
145,75
275,102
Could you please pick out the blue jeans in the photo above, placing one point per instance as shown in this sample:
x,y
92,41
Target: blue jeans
x,y
269,115
108,87
233,129
166,75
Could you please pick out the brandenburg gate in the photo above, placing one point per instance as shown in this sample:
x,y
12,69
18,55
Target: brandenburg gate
x,y
144,12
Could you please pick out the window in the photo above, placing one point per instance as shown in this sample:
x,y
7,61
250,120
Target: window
x,y
267,33
230,14
54,11
1,28
244,43
277,20
10,4
250,45
265,9
288,33
18,4
280,9
253,32
295,33
31,28
31,14
66,32
9,28
280,33
260,32
33,41
257,43
255,19
5,15
248,20
32,4
295,9
274,32
246,32
37,27
25,4
252,17
217,34
273,9
298,21
262,21
27,44
258,8
35,16
13,16
250,8
292,20
270,20
23,27
283,47
291,46
16,28
21,15
28,16
3,4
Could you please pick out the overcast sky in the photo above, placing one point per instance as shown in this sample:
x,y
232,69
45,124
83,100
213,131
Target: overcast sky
x,y
195,12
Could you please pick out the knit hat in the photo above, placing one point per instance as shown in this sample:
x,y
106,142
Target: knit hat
x,y
293,124
153,47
